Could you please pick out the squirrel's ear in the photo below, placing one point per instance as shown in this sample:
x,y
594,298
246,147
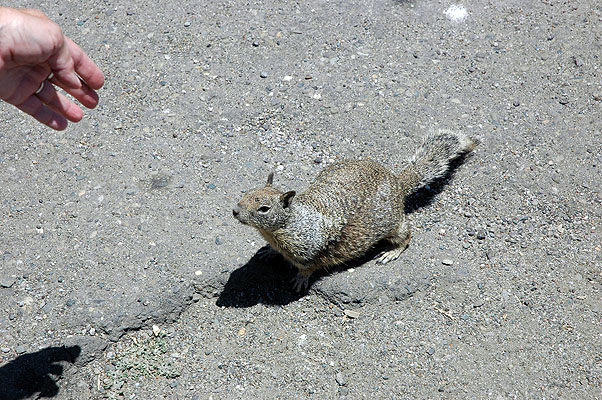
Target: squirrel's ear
x,y
270,179
287,197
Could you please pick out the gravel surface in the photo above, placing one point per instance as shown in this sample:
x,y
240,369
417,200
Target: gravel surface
x,y
124,275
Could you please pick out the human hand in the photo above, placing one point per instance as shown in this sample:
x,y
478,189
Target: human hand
x,y
32,47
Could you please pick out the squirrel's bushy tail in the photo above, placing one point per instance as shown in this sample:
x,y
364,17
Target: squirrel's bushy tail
x,y
431,160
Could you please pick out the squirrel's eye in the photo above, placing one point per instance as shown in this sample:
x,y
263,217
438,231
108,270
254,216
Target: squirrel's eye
x,y
263,209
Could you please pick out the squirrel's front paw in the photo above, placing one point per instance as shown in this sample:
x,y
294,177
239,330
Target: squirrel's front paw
x,y
300,282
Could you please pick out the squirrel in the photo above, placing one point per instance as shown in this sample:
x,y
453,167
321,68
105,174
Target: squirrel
x,y
350,207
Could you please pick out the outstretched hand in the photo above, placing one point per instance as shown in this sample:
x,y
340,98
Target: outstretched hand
x,y
35,55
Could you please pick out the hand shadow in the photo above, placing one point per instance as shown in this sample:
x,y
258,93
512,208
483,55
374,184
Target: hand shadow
x,y
35,373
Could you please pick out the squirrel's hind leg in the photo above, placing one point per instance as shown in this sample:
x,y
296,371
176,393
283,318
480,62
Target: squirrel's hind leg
x,y
399,242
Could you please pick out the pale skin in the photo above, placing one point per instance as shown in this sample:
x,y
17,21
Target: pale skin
x,y
31,48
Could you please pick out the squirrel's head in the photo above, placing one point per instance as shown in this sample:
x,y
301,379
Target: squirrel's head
x,y
264,208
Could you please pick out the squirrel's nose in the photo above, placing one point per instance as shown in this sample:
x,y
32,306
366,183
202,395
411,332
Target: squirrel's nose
x,y
236,211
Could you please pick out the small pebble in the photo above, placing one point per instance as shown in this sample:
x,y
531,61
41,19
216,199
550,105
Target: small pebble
x,y
308,77
6,281
351,313
20,349
481,234
187,24
70,302
156,330
263,75
255,43
447,261
5,349
340,378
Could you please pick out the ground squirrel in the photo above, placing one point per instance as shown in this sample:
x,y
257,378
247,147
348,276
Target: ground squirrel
x,y
348,209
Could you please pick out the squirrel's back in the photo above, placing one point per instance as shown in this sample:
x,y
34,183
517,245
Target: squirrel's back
x,y
348,186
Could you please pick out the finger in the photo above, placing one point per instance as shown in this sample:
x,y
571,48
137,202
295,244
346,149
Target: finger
x,y
60,103
20,83
34,107
62,65
84,66
84,94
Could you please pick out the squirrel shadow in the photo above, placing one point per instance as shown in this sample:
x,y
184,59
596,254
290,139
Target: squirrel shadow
x,y
35,373
267,279
263,279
